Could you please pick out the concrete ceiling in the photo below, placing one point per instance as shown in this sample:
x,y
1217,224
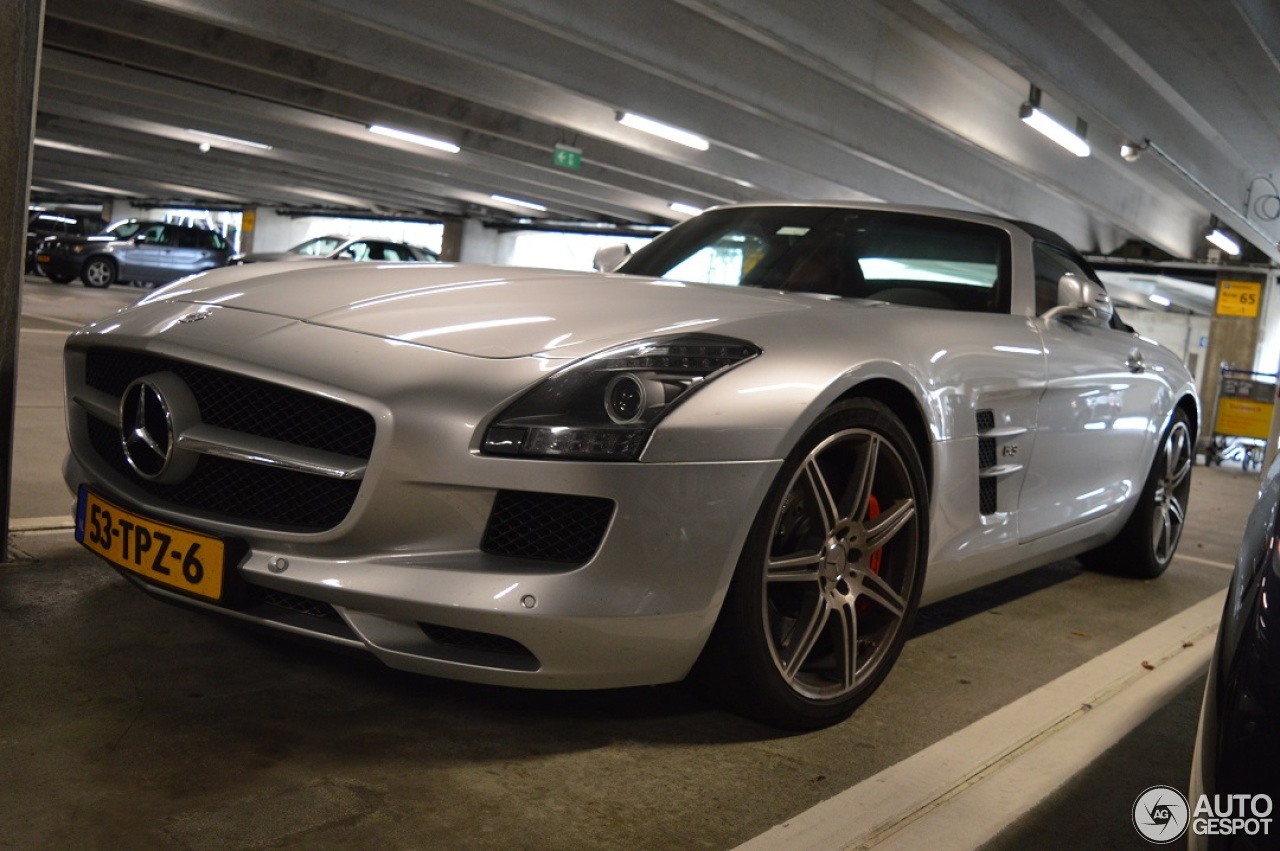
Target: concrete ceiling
x,y
911,101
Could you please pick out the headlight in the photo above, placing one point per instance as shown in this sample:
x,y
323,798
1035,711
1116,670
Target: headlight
x,y
606,406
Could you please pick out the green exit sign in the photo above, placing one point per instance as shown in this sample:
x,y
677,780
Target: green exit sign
x,y
567,157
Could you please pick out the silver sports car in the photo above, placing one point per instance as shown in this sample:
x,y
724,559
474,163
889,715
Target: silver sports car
x,y
747,456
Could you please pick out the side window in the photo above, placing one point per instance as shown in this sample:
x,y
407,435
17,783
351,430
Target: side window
x,y
154,234
186,237
1051,264
950,266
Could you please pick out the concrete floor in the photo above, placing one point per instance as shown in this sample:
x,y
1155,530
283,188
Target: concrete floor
x,y
126,723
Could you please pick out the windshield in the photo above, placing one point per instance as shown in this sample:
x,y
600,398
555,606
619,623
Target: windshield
x,y
900,257
319,246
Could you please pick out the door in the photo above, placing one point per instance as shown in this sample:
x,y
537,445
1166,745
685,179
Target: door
x,y
1099,417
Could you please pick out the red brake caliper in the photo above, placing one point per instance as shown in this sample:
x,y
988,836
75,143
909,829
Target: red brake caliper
x,y
873,511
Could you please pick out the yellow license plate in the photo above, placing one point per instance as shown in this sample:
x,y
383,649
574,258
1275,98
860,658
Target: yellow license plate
x,y
169,555
43,258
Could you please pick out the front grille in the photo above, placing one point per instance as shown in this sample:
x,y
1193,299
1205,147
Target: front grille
x,y
547,526
236,491
244,404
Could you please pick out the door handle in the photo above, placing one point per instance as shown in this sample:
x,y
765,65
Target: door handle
x,y
1135,363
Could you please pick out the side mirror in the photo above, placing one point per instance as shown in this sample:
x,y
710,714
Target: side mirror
x,y
609,257
140,239
1082,300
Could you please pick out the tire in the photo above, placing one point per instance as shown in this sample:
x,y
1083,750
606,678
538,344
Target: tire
x,y
60,279
1147,543
828,582
98,272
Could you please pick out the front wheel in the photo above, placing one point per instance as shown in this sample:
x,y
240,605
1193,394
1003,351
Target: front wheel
x,y
98,272
828,583
1145,546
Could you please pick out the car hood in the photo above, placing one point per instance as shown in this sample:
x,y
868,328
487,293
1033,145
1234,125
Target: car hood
x,y
484,311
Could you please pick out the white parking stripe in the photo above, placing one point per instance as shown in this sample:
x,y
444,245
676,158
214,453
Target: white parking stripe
x,y
43,524
1210,562
965,789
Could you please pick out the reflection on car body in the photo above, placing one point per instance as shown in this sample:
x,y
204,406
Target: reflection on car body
x,y
749,456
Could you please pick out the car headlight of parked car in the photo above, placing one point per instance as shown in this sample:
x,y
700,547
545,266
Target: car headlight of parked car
x,y
605,406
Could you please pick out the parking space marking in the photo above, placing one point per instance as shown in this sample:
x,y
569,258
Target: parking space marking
x,y
965,789
43,524
1222,565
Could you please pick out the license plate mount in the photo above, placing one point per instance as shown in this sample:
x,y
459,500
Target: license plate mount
x,y
174,557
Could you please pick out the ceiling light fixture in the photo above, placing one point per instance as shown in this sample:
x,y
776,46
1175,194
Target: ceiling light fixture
x,y
405,136
665,131
503,199
686,209
230,140
1159,299
1131,151
1226,243
1039,120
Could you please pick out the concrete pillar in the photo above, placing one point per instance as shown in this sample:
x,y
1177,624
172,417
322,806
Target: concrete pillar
x,y
248,229
478,243
451,242
21,29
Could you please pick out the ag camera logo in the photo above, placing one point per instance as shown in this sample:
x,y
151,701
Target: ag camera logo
x,y
1160,815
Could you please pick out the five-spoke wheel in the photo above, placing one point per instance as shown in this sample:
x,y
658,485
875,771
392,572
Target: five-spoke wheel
x,y
828,584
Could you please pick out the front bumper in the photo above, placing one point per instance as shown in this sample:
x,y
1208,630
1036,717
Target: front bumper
x,y
60,265
637,613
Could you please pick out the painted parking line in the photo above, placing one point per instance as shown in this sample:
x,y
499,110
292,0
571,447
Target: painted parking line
x,y
1205,561
965,789
57,523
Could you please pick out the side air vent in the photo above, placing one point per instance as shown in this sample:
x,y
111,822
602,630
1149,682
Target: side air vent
x,y
987,487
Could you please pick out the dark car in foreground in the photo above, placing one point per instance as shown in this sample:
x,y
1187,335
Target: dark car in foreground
x,y
364,249
1236,767
133,251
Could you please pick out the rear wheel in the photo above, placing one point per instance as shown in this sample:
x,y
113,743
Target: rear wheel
x,y
98,272
1146,545
828,583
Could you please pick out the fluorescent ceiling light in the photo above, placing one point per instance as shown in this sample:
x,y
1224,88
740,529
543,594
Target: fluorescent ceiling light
x,y
666,131
74,149
517,202
231,140
1224,242
1160,300
1036,118
687,209
404,136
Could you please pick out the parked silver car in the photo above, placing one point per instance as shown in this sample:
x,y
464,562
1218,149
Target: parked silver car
x,y
751,455
133,251
363,249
